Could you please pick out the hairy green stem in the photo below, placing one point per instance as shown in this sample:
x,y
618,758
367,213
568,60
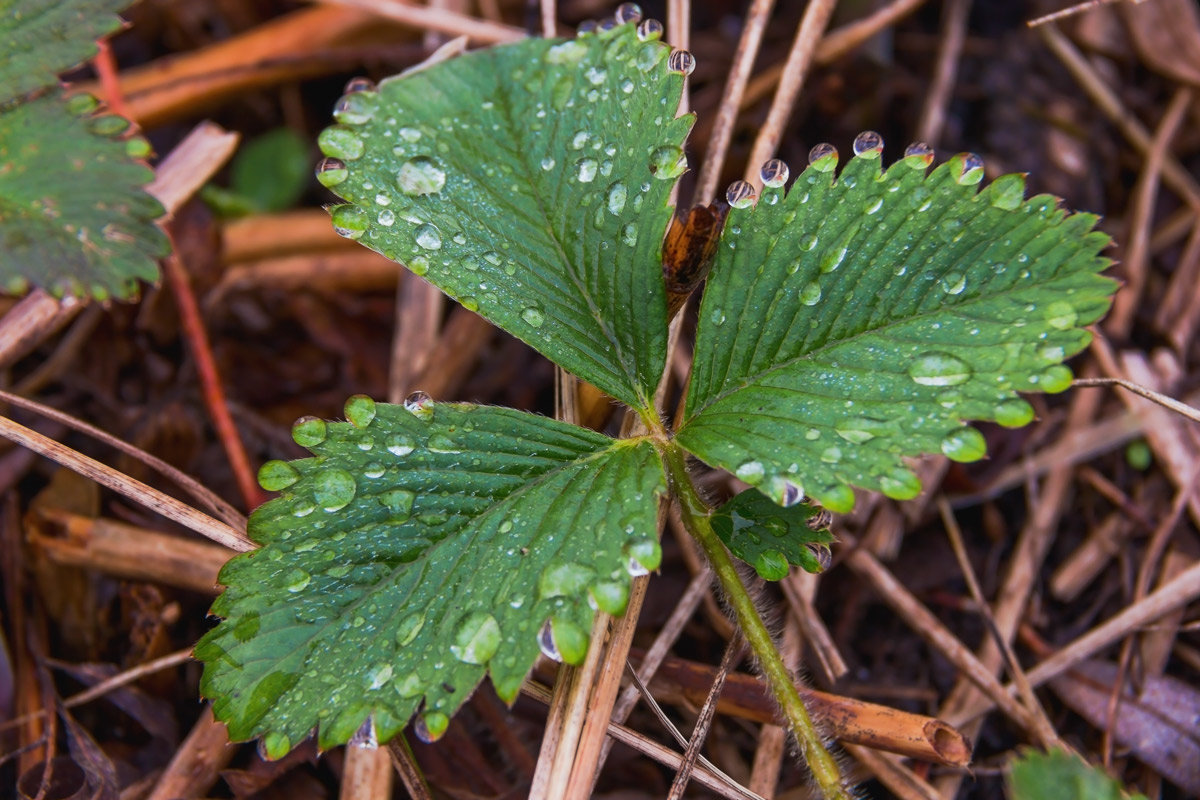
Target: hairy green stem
x,y
698,522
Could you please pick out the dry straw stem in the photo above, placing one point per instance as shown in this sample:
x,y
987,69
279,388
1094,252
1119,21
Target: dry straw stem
x,y
950,45
198,762
438,20
704,719
409,772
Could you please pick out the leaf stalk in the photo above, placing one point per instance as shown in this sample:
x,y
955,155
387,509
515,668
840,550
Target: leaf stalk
x,y
696,517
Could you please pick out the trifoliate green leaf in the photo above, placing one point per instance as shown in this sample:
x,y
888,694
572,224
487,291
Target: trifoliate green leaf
x,y
860,319
40,39
74,218
1059,776
421,547
531,183
769,538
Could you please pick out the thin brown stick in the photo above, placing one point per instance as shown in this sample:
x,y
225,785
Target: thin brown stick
x,y
735,88
197,763
950,46
1166,401
795,70
708,711
1137,253
841,41
441,20
407,769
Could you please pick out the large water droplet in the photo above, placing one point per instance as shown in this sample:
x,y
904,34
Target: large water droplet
x,y
617,193
533,316
400,444
868,143
810,295
774,173
823,157
939,369
964,444
833,259
1061,315
642,556
953,283
297,580
1055,379
839,498
340,142
545,639
1014,413
420,176
918,155
649,30
587,169
752,472
360,410
274,746
682,62
611,597
331,172
408,628
667,162
350,221
309,431
428,236
356,108
476,638
972,169
900,485
740,194
564,580
275,476
333,489
431,726
569,52
627,12
399,503
419,404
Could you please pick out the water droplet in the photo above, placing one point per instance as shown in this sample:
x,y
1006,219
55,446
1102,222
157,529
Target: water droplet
x,y
1061,315
442,444
964,444
833,259
972,169
852,432
774,173
953,283
616,198
309,431
359,84
408,629
564,580
1055,379
939,369
350,221
629,234
548,163
873,206
831,454
1014,413
839,498
667,162
900,485
587,169
740,194
752,472
428,236
611,597
357,108
333,489
420,176
274,746
792,494
810,295
681,61
918,154
418,265
331,172
360,410
297,580
342,143
821,555
627,12
430,726
569,52
809,242
545,639
586,28
275,476
476,638
642,556
379,675
533,316
419,404
649,30
869,144
400,444
823,157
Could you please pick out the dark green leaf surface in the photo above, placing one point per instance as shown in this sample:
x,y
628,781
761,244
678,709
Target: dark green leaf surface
x,y
531,183
853,322
74,218
418,550
768,537
1059,776
41,38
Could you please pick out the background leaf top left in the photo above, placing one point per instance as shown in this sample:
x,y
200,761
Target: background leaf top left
x,y
40,39
423,546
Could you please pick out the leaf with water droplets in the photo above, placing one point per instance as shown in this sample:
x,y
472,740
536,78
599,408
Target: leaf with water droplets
x,y
530,182
769,538
74,218
863,317
423,546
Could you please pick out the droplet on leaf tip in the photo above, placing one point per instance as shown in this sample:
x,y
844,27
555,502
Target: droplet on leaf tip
x,y
682,62
545,639
309,431
360,410
868,143
823,156
649,30
587,27
920,153
430,726
740,194
774,173
628,12
605,25
331,171
419,404
972,170
359,84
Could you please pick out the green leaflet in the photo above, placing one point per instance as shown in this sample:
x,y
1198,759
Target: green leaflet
x,y
854,321
531,183
73,216
1059,776
421,547
40,39
769,538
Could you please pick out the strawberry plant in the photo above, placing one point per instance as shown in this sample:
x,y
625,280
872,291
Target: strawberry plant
x,y
855,319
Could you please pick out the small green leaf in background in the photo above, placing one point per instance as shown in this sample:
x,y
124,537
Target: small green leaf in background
x,y
531,183
421,547
861,318
41,38
269,173
1060,776
74,218
769,537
